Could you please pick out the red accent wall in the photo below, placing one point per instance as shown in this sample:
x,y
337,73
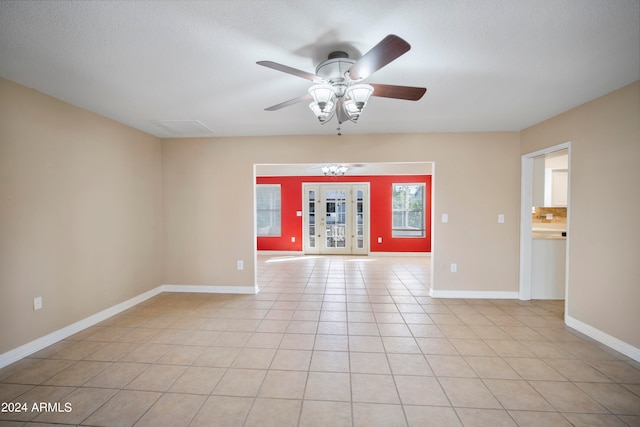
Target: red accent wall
x,y
380,190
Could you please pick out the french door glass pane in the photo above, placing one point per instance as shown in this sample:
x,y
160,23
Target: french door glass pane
x,y
335,209
312,219
359,219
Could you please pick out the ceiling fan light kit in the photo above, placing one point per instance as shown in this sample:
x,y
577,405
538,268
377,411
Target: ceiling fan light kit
x,y
338,90
334,170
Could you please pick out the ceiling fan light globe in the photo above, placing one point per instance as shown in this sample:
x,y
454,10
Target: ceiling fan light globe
x,y
352,110
315,108
322,94
329,107
322,116
350,106
360,94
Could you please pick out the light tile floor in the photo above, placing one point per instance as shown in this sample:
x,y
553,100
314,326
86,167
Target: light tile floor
x,y
329,341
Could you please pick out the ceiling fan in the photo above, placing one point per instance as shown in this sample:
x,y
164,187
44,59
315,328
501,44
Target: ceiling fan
x,y
338,89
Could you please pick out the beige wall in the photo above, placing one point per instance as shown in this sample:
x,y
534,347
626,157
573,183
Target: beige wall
x,y
80,216
604,271
208,201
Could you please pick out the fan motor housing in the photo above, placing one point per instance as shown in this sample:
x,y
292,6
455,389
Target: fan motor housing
x,y
335,68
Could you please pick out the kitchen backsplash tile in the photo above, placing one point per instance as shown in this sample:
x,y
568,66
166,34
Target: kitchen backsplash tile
x,y
540,215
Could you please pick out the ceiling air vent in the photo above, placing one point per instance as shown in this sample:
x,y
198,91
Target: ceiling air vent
x,y
183,128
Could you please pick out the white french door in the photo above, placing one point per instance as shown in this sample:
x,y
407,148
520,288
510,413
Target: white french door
x,y
335,218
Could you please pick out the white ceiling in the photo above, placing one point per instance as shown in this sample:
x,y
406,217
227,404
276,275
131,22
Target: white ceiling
x,y
488,65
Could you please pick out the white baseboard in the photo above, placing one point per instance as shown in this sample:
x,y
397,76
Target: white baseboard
x,y
423,254
604,338
281,253
300,253
52,338
251,290
474,294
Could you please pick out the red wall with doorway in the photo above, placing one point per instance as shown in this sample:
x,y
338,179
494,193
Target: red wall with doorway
x,y
380,191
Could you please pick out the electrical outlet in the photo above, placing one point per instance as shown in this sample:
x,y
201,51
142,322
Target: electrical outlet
x,y
37,303
445,217
500,218
240,264
454,268
379,239
293,239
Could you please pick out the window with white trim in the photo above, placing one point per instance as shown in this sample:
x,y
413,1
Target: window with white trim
x,y
268,211
408,210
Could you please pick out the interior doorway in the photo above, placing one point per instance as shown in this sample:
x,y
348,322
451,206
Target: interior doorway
x,y
313,170
544,250
335,218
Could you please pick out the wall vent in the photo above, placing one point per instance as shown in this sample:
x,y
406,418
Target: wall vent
x,y
183,128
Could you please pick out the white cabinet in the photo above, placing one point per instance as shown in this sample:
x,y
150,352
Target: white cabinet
x,y
551,179
556,179
559,186
548,268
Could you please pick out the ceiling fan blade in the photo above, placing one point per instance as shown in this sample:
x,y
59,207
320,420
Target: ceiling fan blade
x,y
291,70
390,48
302,98
409,93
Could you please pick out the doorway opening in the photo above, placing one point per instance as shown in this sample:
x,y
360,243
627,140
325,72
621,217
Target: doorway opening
x,y
545,223
344,204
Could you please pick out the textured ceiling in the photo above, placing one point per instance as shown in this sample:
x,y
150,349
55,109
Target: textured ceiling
x,y
488,65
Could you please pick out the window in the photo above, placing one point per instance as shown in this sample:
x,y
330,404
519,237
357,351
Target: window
x,y
268,210
408,210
